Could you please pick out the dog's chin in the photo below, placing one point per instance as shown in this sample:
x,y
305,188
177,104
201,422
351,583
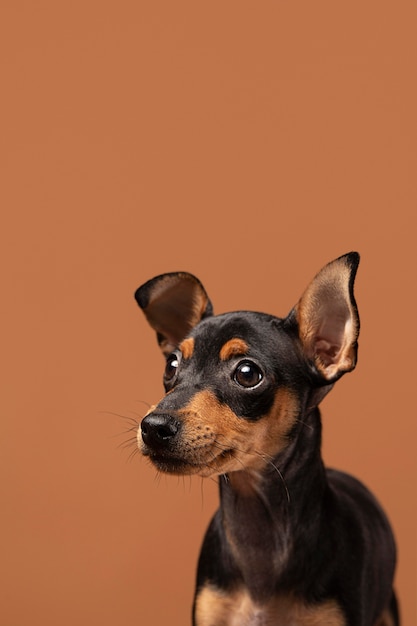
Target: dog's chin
x,y
184,467
171,465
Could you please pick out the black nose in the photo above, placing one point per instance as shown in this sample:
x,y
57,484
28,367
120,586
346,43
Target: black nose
x,y
159,429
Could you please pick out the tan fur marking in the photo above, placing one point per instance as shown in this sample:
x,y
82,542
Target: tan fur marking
x,y
233,347
187,348
216,441
217,608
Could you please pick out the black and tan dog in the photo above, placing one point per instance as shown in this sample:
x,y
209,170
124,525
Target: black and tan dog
x,y
293,543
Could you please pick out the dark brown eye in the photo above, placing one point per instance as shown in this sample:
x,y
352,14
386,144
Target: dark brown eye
x,y
247,374
171,367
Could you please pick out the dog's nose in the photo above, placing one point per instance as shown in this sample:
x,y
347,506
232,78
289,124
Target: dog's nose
x,y
158,430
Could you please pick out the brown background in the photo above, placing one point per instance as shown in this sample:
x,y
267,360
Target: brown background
x,y
247,142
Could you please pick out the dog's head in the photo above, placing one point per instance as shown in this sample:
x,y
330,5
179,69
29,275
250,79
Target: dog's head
x,y
236,383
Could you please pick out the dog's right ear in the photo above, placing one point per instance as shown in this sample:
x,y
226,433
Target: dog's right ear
x,y
173,304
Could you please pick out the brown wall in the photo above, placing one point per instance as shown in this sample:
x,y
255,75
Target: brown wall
x,y
247,142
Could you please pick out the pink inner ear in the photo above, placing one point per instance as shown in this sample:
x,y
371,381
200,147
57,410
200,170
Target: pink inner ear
x,y
333,333
332,347
328,320
326,352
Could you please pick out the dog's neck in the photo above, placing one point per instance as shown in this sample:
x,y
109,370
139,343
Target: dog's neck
x,y
268,516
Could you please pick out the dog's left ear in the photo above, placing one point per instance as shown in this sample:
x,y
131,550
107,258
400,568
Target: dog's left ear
x,y
173,304
328,320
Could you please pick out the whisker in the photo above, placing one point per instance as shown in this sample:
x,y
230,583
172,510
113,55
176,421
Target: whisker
x,y
133,429
128,443
272,464
133,453
225,448
269,460
145,403
202,492
305,424
128,418
225,478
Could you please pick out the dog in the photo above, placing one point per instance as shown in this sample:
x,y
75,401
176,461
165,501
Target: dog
x,y
293,543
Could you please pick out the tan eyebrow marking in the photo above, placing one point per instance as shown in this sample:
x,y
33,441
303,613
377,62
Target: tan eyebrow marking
x,y
233,347
187,348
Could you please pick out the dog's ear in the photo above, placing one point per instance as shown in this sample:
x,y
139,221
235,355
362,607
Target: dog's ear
x,y
328,320
173,304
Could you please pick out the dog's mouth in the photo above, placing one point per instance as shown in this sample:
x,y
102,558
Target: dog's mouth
x,y
180,465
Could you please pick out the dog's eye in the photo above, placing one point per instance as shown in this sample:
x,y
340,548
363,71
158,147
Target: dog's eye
x,y
171,367
247,374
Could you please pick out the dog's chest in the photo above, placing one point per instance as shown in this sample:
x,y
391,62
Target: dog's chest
x,y
219,608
